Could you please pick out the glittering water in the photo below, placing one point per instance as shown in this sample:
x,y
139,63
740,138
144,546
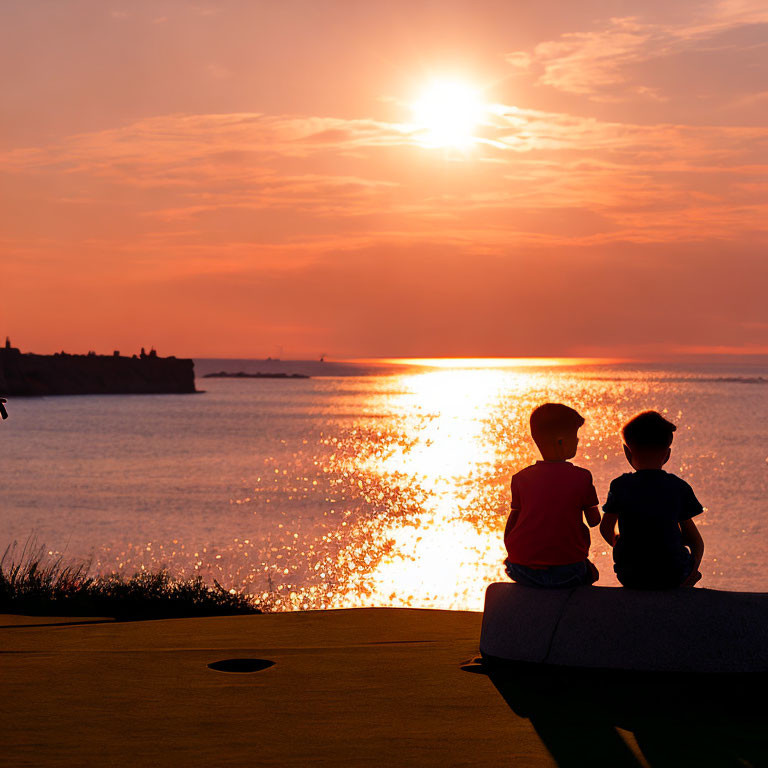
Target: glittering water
x,y
348,490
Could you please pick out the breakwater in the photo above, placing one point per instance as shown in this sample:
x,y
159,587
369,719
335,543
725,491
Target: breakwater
x,y
27,374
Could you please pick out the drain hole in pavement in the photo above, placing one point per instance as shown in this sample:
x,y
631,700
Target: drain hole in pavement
x,y
241,665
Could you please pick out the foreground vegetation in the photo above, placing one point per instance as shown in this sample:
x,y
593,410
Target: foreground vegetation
x,y
33,584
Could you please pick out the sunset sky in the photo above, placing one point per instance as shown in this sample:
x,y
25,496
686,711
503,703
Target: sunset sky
x,y
399,178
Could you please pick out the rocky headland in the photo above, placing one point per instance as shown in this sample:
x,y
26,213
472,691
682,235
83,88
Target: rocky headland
x,y
27,374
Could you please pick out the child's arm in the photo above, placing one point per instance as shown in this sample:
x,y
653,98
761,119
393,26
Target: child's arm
x,y
692,538
514,506
608,528
590,502
592,514
511,520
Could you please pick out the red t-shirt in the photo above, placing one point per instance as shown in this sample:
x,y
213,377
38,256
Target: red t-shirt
x,y
546,526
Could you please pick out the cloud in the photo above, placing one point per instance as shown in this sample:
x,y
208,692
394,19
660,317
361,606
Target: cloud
x,y
608,63
213,193
167,139
593,62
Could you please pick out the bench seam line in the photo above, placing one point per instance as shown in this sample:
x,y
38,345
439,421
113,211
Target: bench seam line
x,y
557,624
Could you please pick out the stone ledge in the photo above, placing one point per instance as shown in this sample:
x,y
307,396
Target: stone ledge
x,y
680,630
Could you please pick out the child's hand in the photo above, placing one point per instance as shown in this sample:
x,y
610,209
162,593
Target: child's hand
x,y
608,528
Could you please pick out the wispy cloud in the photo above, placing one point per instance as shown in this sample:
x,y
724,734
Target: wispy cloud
x,y
606,62
535,177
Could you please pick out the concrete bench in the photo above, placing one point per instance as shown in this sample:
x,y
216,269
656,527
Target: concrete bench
x,y
681,630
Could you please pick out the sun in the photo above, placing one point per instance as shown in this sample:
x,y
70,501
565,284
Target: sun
x,y
447,114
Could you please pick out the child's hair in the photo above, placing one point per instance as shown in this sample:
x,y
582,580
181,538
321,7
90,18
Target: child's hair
x,y
552,420
648,431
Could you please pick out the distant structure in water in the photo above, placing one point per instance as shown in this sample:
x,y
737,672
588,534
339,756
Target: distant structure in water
x,y
26,374
243,375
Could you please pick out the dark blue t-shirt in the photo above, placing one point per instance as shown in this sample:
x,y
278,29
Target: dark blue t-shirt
x,y
650,504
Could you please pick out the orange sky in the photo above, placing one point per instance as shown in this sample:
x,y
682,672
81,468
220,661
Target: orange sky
x,y
245,178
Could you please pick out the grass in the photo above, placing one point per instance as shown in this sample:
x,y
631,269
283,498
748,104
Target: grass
x,y
33,584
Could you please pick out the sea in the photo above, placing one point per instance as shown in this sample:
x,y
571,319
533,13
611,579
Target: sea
x,y
371,483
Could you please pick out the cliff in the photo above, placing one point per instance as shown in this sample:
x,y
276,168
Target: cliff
x,y
24,374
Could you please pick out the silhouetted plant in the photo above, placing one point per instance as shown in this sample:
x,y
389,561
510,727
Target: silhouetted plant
x,y
33,583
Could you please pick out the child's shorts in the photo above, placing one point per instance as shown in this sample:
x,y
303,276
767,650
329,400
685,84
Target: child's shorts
x,y
644,576
554,576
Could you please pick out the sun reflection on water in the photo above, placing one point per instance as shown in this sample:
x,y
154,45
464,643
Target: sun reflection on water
x,y
435,549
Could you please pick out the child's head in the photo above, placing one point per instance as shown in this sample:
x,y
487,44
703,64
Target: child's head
x,y
554,428
647,440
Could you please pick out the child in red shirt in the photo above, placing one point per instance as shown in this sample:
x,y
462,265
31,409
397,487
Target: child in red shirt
x,y
546,539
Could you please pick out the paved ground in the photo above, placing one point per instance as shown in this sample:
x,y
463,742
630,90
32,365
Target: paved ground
x,y
362,687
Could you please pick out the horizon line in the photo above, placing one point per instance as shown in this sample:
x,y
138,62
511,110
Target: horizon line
x,y
513,360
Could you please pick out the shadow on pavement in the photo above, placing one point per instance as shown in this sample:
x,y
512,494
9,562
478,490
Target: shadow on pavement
x,y
677,720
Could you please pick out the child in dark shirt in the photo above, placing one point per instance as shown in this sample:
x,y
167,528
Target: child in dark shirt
x,y
658,545
546,539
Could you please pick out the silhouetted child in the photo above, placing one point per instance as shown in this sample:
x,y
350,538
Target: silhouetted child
x,y
658,545
546,539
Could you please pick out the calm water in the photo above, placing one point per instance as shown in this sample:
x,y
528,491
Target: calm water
x,y
349,489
